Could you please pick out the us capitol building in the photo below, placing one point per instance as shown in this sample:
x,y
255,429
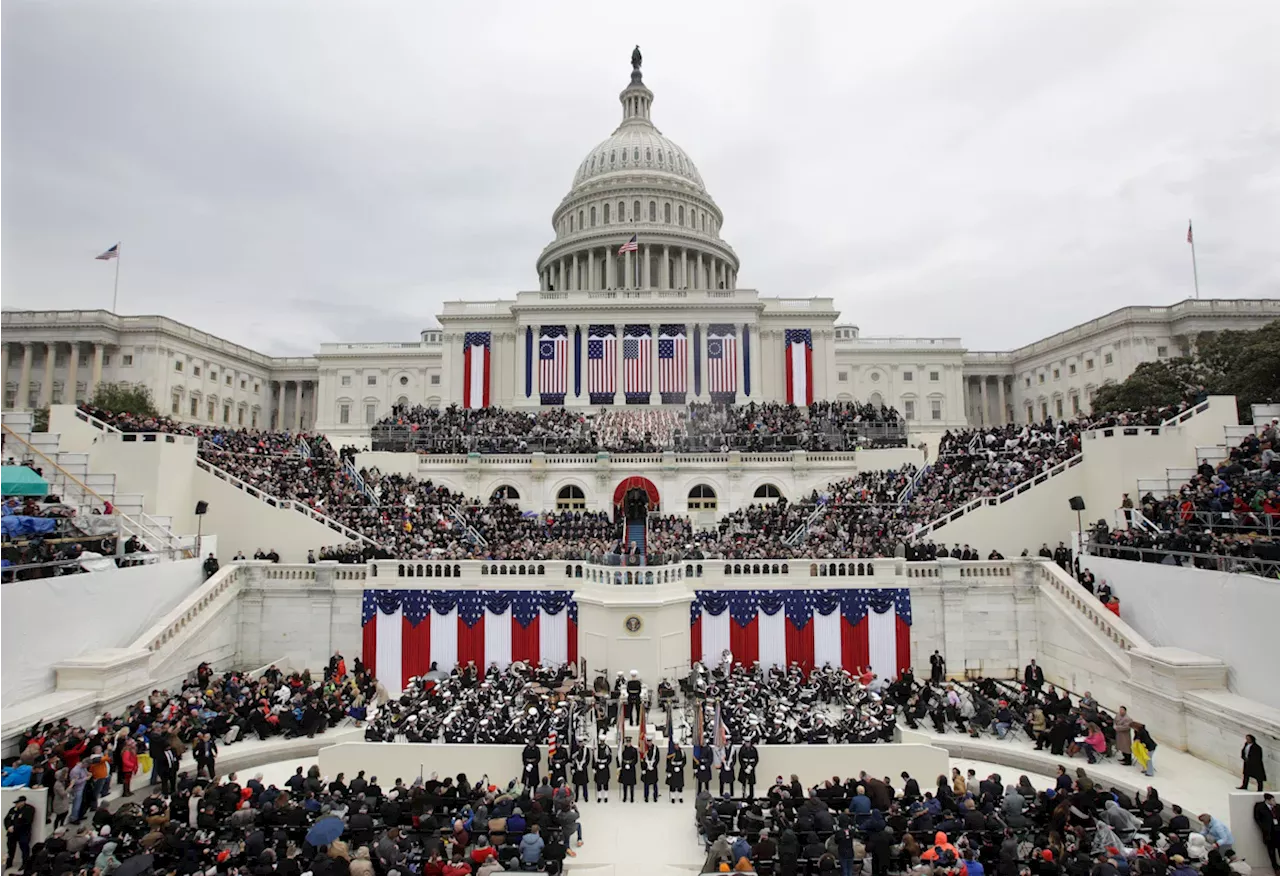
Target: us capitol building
x,y
637,303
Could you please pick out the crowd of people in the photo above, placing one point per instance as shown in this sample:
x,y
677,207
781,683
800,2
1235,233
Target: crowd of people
x,y
1226,517
698,428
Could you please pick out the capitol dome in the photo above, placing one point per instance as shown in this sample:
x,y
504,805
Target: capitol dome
x,y
637,182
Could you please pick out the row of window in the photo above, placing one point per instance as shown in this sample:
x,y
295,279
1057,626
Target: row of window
x,y
907,376
697,219
701,498
372,380
1058,409
625,157
196,371
1107,359
211,410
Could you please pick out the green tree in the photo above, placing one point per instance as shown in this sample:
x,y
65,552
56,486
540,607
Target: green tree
x,y
40,419
1244,364
125,398
1152,384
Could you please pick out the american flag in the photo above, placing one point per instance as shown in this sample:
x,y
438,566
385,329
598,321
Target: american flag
x,y
643,743
721,733
1190,239
114,253
673,359
553,363
602,363
631,245
722,359
636,351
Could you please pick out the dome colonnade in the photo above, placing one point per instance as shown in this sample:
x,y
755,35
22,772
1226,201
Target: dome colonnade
x,y
637,182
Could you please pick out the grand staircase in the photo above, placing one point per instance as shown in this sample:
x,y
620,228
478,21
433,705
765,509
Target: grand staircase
x,y
88,492
636,535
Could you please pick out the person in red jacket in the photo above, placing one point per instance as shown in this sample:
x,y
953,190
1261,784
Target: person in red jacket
x,y
128,766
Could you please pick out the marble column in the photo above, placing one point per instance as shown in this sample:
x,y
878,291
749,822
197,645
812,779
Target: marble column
x,y
654,398
684,269
1003,419
575,279
22,401
610,269
646,280
591,269
96,373
627,269
563,285
664,272
46,384
699,279
73,374
297,407
984,414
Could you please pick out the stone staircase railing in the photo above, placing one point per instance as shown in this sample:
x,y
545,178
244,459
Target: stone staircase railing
x,y
276,502
1011,493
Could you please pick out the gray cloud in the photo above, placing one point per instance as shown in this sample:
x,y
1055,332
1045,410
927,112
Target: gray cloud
x,y
287,173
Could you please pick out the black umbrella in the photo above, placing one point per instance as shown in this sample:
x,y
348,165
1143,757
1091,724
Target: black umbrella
x,y
135,866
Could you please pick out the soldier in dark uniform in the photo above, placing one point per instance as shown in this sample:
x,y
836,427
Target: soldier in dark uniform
x,y
530,758
649,772
580,762
725,757
627,760
603,771
702,769
675,773
748,758
558,766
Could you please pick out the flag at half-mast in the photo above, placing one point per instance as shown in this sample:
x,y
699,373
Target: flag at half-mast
x,y
111,253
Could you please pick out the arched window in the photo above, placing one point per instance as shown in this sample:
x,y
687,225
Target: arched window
x,y
571,498
622,211
704,221
635,212
666,213
653,211
613,157
659,156
702,498
593,217
506,493
680,214
580,218
570,223
768,492
648,154
637,153
606,213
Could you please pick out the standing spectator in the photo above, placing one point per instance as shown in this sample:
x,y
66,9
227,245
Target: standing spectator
x,y
843,837
210,566
1251,756
1123,725
1267,816
128,766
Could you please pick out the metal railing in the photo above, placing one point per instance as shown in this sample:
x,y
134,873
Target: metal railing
x,y
358,480
1011,493
304,449
1132,518
819,511
909,490
1208,562
276,502
474,534
148,530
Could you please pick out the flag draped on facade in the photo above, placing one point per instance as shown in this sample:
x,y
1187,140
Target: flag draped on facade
x,y
852,629
553,364
475,370
602,364
799,346
722,362
637,363
673,364
405,631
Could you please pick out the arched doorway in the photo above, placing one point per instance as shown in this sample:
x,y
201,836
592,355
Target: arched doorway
x,y
633,499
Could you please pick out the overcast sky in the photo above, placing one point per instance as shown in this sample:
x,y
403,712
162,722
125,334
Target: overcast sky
x,y
286,174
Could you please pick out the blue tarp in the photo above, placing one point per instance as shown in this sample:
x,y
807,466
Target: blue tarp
x,y
20,526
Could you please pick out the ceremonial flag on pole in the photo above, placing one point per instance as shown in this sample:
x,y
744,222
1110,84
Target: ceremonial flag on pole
x,y
643,744
851,629
799,344
671,730
112,253
699,729
1190,237
475,370
630,246
720,731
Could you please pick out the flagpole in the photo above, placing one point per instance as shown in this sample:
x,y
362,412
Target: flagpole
x,y
115,289
1195,273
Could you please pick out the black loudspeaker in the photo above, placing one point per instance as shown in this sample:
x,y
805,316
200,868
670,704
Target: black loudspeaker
x,y
1077,503
202,507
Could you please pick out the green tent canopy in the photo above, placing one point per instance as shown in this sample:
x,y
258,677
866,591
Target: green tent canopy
x,y
18,480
